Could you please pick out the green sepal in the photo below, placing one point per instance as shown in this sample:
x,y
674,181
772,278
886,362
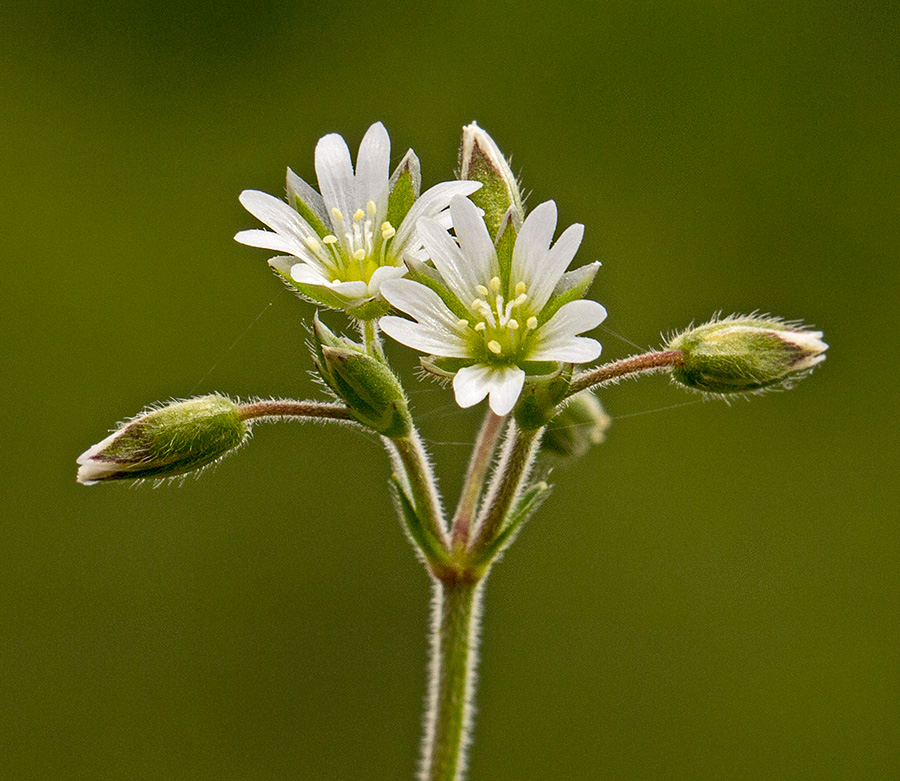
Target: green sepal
x,y
539,400
481,160
571,287
370,390
506,242
444,367
368,309
405,184
430,277
318,294
423,539
529,502
307,212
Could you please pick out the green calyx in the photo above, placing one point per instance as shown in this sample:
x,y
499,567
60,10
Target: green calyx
x,y
178,438
539,400
745,355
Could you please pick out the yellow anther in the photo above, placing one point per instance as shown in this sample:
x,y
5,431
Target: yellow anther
x,y
312,244
512,325
371,208
521,287
494,347
531,322
388,232
329,239
520,299
359,254
481,290
358,215
462,323
336,213
480,326
495,284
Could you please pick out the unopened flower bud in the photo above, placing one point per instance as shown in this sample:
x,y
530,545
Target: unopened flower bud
x,y
481,160
746,354
580,425
177,438
369,388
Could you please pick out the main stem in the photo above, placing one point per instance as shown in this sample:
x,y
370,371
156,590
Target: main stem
x,y
454,657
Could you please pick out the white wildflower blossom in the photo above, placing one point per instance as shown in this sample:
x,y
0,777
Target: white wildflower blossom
x,y
492,319
343,243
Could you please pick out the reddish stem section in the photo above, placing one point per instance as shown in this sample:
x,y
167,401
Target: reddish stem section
x,y
293,409
648,362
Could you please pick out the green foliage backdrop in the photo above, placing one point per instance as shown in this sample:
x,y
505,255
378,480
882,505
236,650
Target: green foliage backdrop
x,y
711,594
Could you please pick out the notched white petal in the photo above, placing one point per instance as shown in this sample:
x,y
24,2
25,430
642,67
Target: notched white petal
x,y
426,337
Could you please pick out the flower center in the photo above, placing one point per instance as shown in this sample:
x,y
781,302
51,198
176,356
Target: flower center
x,y
500,323
355,250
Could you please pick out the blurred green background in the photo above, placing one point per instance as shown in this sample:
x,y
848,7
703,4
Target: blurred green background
x,y
712,594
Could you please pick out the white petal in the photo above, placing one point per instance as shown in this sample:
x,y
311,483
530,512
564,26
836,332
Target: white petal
x,y
569,349
421,303
557,260
267,240
307,274
275,213
533,244
504,383
470,385
424,337
373,167
474,240
336,180
351,290
429,204
449,260
383,274
299,188
557,340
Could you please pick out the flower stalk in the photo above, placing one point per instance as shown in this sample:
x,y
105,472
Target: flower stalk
x,y
455,636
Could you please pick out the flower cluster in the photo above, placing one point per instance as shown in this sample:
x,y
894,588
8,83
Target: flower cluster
x,y
492,302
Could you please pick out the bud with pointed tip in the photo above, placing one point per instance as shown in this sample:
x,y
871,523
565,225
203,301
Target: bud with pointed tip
x,y
363,382
580,425
481,160
746,354
370,390
177,438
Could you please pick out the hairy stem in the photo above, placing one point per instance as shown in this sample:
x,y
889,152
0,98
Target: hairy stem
x,y
518,456
421,484
454,649
480,462
636,364
293,409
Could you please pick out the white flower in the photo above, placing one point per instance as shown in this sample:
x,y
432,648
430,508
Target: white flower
x,y
341,244
497,318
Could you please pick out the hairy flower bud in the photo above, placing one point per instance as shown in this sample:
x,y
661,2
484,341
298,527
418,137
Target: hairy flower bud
x,y
580,425
177,438
746,354
481,160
